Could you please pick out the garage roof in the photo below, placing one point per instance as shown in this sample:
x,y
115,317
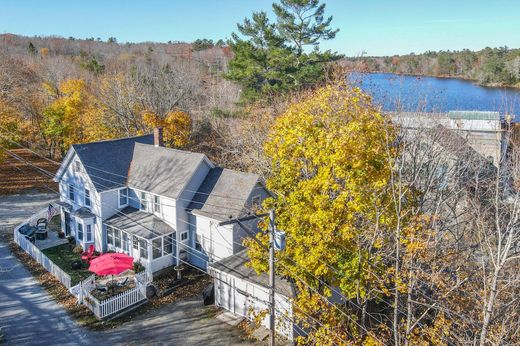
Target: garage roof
x,y
235,266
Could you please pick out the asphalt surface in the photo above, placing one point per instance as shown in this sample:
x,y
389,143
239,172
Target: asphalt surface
x,y
14,209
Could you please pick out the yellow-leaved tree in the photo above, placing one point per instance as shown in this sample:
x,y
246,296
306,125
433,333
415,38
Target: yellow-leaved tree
x,y
330,173
73,117
176,125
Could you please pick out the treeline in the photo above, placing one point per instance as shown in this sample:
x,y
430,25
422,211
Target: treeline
x,y
489,66
57,91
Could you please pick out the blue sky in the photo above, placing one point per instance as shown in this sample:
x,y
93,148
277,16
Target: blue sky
x,y
377,27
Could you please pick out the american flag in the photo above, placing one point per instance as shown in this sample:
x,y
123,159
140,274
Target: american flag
x,y
51,211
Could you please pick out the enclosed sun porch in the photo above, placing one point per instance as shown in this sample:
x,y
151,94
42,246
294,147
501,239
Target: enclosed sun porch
x,y
145,237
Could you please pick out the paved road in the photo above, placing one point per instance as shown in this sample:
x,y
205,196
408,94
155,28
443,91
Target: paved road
x,y
16,208
29,316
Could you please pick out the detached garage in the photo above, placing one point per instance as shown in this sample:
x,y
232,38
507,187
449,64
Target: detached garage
x,y
241,291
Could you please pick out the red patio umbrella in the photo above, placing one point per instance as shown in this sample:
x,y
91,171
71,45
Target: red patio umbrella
x,y
111,264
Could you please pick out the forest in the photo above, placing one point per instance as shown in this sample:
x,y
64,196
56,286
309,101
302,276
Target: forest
x,y
489,66
393,237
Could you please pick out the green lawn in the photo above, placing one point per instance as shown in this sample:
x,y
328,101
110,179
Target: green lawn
x,y
63,257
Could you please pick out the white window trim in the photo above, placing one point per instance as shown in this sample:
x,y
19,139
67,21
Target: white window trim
x,y
87,233
71,187
85,197
146,199
154,203
119,197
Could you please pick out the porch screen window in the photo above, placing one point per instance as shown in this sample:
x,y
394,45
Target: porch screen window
x,y
71,192
125,242
135,243
144,205
87,197
117,238
168,244
123,197
89,233
143,248
156,204
80,231
110,235
157,248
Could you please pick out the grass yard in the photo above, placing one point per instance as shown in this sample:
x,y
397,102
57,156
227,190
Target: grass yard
x,y
63,257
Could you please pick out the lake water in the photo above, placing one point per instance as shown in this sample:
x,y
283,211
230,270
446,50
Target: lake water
x,y
429,94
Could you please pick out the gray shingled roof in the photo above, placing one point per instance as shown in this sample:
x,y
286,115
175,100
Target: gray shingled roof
x,y
83,213
140,223
107,162
235,265
162,171
223,194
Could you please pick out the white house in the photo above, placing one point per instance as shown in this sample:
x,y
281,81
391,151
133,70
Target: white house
x,y
135,196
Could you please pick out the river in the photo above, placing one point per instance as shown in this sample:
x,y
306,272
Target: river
x,y
430,94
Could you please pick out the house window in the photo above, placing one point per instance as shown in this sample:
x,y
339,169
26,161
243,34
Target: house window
x,y
71,193
256,202
125,242
157,204
117,238
80,231
123,197
135,243
184,236
143,247
198,247
144,205
89,233
77,166
157,248
87,197
110,235
168,244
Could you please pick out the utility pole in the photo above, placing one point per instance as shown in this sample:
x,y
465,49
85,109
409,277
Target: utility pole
x,y
272,230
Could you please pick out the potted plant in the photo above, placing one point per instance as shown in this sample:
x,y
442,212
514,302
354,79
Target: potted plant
x,y
61,234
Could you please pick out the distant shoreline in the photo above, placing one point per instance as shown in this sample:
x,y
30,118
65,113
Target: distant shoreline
x,y
473,81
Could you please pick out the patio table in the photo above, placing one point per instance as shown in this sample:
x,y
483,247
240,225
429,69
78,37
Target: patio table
x,y
41,234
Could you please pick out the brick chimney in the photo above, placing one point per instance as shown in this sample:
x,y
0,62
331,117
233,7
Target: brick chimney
x,y
158,137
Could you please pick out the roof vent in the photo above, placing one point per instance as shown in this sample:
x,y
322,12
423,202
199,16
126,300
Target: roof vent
x,y
158,137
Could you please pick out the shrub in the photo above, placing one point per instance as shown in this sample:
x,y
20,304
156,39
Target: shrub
x,y
78,249
138,267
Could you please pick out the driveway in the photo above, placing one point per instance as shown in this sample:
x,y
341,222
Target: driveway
x,y
16,208
183,323
29,316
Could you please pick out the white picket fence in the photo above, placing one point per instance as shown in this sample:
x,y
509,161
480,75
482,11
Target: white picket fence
x,y
112,305
35,253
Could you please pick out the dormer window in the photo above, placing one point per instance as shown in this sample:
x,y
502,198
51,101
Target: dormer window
x,y
256,202
123,197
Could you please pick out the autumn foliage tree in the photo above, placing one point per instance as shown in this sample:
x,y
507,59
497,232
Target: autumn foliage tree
x,y
176,124
329,173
